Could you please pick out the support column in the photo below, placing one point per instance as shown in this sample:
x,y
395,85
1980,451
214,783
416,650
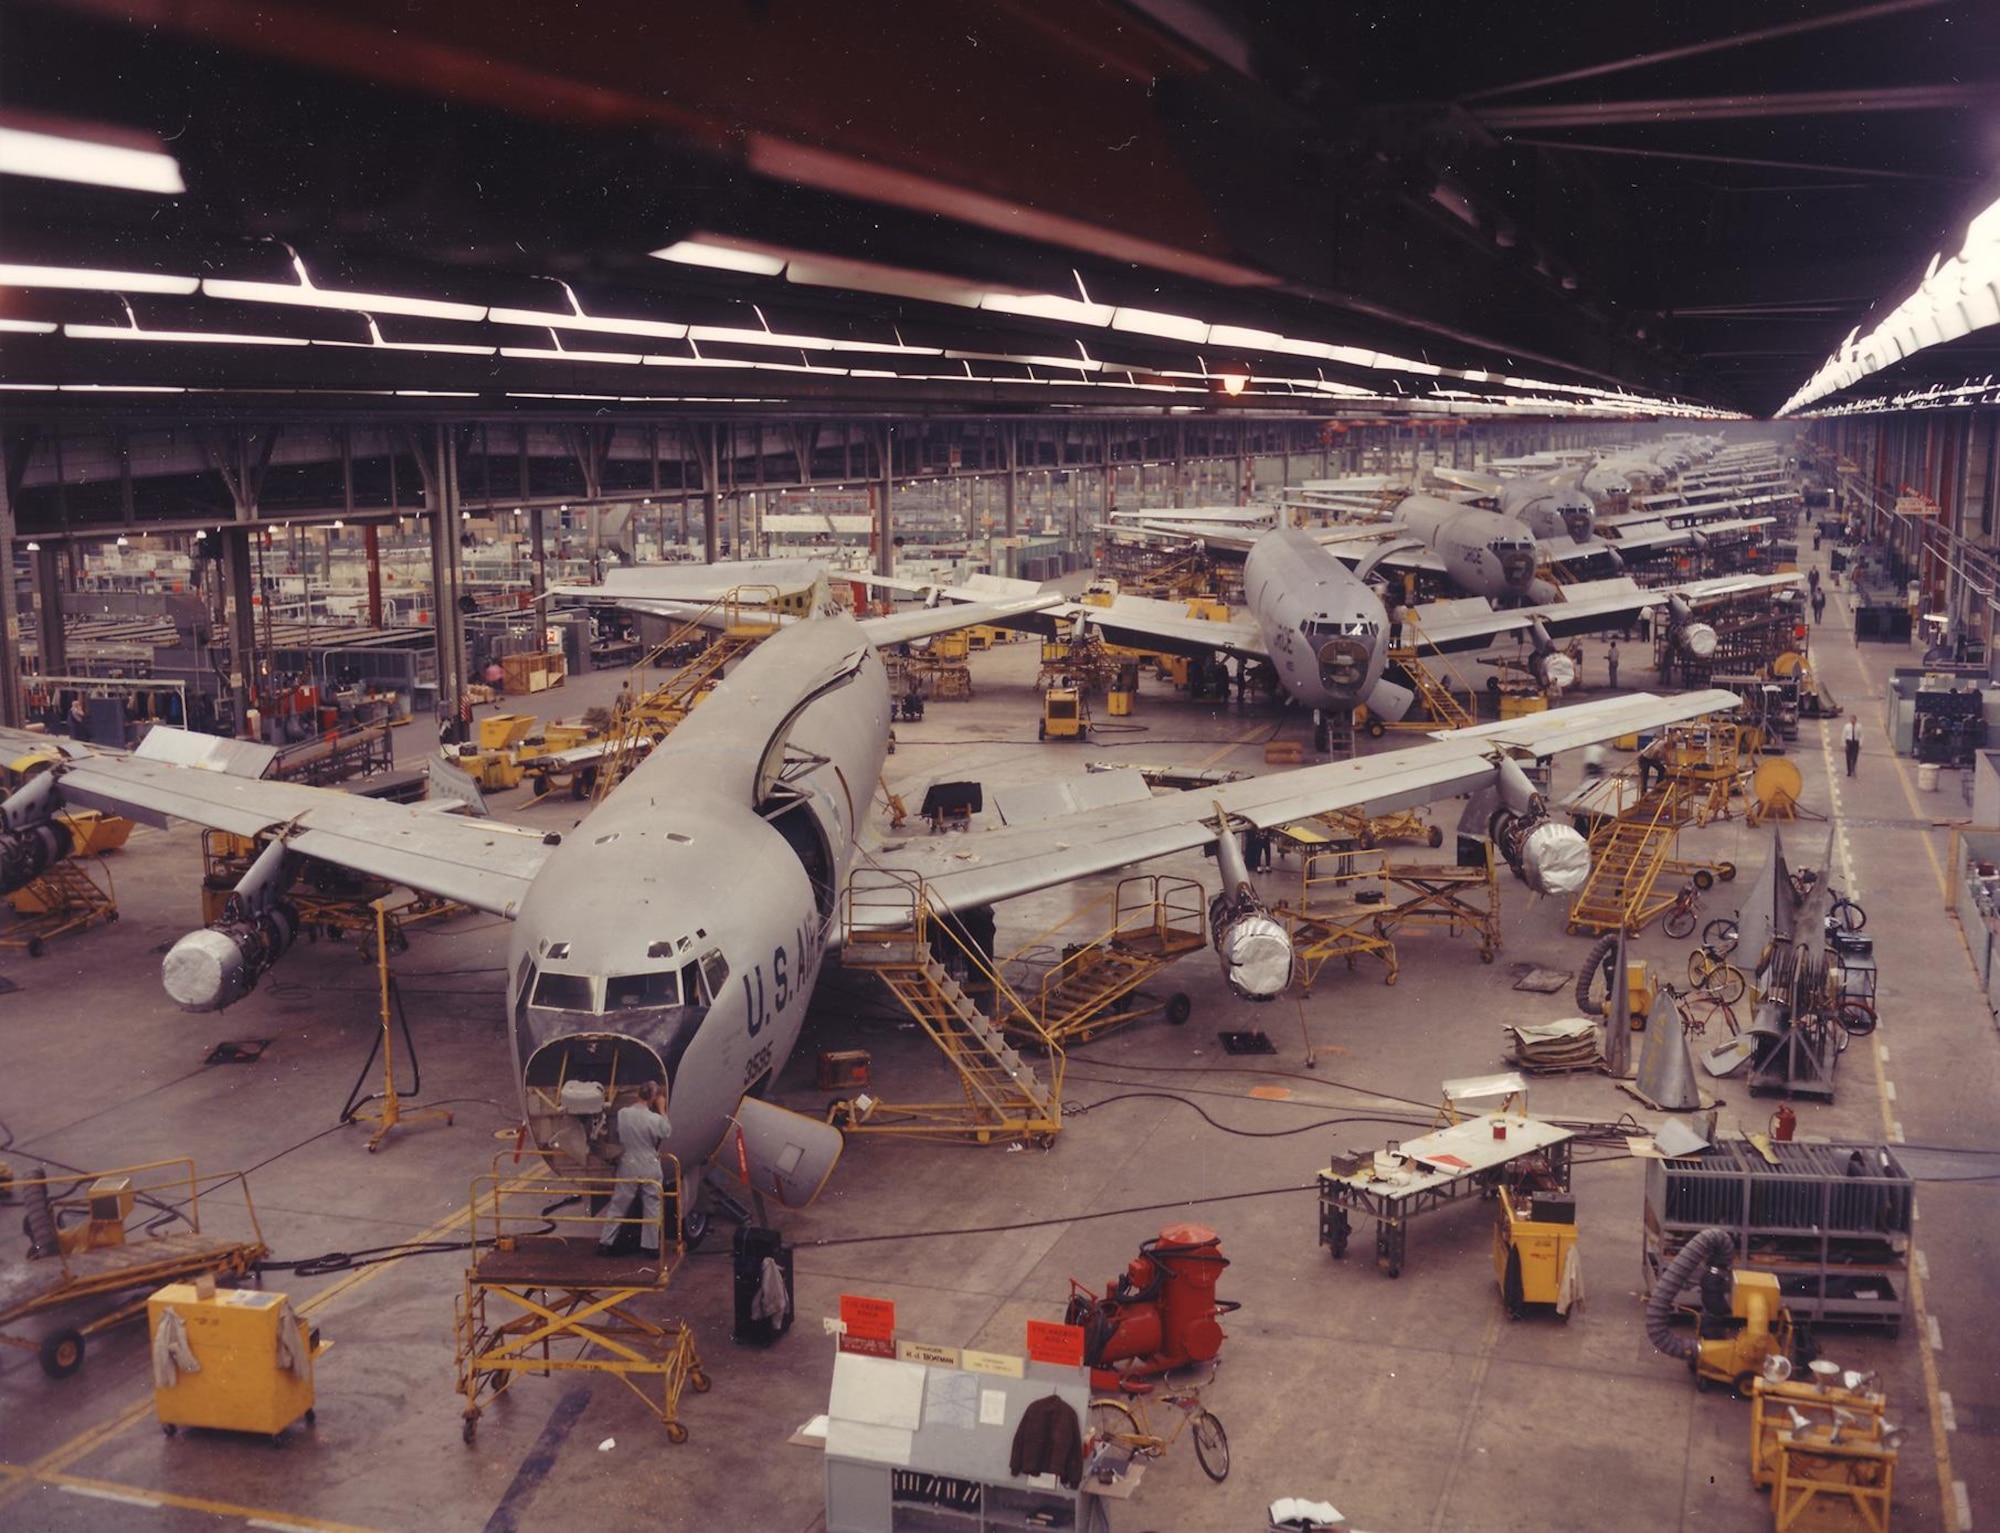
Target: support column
x,y
238,581
1180,464
711,503
885,518
1010,440
13,707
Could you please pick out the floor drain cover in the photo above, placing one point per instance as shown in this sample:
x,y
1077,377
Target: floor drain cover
x,y
1246,1043
1544,981
237,1051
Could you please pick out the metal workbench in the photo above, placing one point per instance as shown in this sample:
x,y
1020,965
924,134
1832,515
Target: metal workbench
x,y
1476,1155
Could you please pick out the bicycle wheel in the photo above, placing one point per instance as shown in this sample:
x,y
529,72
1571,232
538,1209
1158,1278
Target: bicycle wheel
x,y
1112,1422
1718,977
1211,1446
1720,935
1698,1011
1856,1017
1679,921
1847,915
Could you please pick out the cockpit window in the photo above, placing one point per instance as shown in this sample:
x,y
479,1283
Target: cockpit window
x,y
564,992
625,992
714,972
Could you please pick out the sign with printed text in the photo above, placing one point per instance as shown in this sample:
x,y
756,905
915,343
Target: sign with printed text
x,y
999,1364
872,1318
867,1346
1049,1342
925,1352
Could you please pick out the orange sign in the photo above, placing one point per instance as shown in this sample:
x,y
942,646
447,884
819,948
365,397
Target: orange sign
x,y
872,1318
1058,1344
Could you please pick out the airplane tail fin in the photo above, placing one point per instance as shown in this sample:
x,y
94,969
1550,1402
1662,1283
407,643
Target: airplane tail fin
x,y
1388,701
782,1153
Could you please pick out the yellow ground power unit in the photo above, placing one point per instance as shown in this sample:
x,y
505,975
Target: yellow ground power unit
x,y
243,1382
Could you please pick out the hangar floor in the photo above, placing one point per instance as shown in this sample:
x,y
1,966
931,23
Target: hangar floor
x,y
1410,1404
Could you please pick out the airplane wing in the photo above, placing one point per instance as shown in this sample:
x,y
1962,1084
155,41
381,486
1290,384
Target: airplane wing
x,y
1466,479
922,622
482,863
1588,606
987,866
1137,622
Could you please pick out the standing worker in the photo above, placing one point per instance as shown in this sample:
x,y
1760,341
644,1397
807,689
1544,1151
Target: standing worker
x,y
1818,603
1850,737
1611,664
641,1132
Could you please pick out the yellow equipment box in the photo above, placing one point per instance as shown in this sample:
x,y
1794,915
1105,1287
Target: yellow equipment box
x,y
1517,705
1534,1250
243,1385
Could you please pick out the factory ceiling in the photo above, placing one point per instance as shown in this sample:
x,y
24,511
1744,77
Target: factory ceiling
x,y
989,206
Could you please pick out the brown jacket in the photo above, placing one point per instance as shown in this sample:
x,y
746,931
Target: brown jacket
x,y
1049,1441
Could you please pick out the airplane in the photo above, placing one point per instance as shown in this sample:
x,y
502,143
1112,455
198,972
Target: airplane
x,y
1322,630
676,936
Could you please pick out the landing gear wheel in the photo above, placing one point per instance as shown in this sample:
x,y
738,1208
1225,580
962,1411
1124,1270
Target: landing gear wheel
x,y
62,1352
1211,1446
1179,1007
695,1228
676,1433
700,1382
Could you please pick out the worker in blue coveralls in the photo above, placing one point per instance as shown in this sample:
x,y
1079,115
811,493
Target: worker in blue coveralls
x,y
642,1129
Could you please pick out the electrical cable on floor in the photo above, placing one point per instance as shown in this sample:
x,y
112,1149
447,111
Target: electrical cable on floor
x,y
1040,1224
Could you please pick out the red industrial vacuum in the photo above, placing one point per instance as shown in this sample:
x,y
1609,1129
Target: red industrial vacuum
x,y
1160,1314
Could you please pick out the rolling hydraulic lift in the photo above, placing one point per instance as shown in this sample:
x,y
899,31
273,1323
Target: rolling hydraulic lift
x,y
65,899
536,1283
1341,896
1096,987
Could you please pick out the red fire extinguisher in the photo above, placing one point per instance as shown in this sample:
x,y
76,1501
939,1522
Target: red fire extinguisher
x,y
1783,1121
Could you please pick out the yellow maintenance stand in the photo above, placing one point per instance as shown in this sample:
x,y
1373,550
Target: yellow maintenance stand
x,y
539,1299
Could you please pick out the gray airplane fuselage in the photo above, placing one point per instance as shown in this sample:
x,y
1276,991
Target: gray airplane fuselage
x,y
1325,629
676,934
1486,553
1549,510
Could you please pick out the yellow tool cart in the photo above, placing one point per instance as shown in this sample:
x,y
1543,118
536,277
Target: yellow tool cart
x,y
1534,1251
246,1375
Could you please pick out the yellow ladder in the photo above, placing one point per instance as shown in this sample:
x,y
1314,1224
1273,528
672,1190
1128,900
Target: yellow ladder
x,y
1155,920
1626,864
1003,1097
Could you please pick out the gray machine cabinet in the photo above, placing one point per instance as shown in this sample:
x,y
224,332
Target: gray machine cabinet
x,y
957,1479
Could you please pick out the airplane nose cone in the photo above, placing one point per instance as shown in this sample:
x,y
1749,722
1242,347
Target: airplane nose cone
x,y
1343,664
1578,523
1518,567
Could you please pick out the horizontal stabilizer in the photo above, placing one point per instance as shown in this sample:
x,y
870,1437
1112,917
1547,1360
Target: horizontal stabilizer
x,y
784,1153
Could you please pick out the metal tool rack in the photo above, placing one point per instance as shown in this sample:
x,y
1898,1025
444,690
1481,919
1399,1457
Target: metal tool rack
x,y
1830,1221
1504,1148
536,1280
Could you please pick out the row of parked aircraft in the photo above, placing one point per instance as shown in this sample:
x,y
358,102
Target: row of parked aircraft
x,y
677,935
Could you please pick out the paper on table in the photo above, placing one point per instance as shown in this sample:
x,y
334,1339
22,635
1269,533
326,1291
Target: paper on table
x,y
992,1407
860,1439
951,1399
878,1390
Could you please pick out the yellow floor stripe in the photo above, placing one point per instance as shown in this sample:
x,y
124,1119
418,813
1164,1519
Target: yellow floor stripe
x,y
1213,757
200,1504
48,1469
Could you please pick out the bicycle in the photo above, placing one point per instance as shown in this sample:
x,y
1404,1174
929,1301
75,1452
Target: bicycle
x,y
1843,915
1698,1010
1711,973
1125,1427
1680,916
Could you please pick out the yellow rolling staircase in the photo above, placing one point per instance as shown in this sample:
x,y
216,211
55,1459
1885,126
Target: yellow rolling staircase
x,y
890,930
741,620
1627,858
1094,987
1445,697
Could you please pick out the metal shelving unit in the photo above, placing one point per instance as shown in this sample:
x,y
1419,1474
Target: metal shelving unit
x,y
1830,1221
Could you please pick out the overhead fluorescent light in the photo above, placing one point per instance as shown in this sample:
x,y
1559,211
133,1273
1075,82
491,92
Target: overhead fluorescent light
x,y
1171,327
1070,311
558,354
575,319
51,156
90,279
375,342
869,277
28,326
305,295
202,337
721,257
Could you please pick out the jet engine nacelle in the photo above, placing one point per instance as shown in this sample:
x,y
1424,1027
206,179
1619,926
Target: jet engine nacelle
x,y
32,839
28,853
1548,857
1693,638
1254,946
217,966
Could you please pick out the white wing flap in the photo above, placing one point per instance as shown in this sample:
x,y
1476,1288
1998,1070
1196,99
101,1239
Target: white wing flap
x,y
992,865
922,622
481,863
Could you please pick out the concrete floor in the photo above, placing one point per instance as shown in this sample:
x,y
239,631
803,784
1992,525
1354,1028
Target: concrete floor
x,y
1410,1403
